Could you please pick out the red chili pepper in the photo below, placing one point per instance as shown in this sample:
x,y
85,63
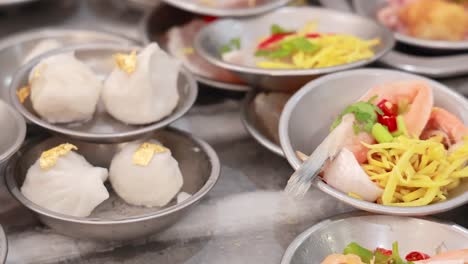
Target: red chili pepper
x,y
384,251
312,35
209,19
388,121
415,256
273,39
388,108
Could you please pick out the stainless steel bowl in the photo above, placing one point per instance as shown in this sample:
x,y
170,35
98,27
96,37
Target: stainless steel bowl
x,y
13,131
15,2
14,49
160,20
102,128
210,40
197,7
254,127
114,219
307,116
3,245
143,4
372,231
370,9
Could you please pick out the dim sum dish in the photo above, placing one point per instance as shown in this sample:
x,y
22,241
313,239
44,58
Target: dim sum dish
x,y
112,191
401,143
103,93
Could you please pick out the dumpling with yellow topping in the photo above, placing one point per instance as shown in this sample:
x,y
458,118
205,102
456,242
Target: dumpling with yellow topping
x,y
62,181
145,174
64,89
142,88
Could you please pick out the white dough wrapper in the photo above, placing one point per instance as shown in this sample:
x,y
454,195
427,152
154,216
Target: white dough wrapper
x,y
153,185
149,93
71,187
42,47
64,89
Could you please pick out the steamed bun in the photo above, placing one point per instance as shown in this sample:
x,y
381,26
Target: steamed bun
x,y
153,184
64,89
142,88
71,186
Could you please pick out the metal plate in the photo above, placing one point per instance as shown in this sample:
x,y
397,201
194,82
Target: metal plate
x,y
15,2
102,127
13,131
372,231
322,100
14,49
114,219
155,26
3,245
255,129
143,4
211,38
196,7
370,9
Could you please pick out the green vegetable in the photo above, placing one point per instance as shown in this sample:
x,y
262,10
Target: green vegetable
x,y
355,249
401,125
403,106
381,258
276,29
233,44
381,133
365,114
288,47
396,259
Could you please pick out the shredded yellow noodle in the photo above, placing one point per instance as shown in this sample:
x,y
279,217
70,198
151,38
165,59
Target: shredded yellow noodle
x,y
416,172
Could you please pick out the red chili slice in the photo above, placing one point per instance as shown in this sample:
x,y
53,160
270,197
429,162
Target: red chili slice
x,y
388,121
313,35
209,19
415,256
384,251
388,108
272,39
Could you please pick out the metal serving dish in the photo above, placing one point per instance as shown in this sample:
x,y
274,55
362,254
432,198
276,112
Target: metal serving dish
x,y
14,49
254,126
15,2
114,219
3,245
102,127
13,131
160,20
370,9
320,101
210,40
143,4
371,231
195,6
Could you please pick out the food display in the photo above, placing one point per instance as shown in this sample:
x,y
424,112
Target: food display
x,y
354,253
146,174
397,148
268,108
427,19
41,48
301,49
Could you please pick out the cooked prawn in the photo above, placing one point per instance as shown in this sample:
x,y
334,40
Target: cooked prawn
x,y
417,93
455,255
340,259
443,122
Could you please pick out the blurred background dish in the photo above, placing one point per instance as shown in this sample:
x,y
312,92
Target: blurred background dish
x,y
15,2
143,4
331,236
13,131
3,245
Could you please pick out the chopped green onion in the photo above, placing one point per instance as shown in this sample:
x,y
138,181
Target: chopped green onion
x,y
355,249
381,133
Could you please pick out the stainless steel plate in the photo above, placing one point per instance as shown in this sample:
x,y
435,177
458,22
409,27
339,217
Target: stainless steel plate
x,y
197,7
255,129
3,245
15,2
102,127
157,23
13,131
210,40
114,219
323,99
372,231
14,49
370,9
143,4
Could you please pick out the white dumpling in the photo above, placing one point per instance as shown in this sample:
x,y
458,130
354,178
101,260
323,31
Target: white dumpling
x,y
71,187
147,94
42,47
64,89
155,184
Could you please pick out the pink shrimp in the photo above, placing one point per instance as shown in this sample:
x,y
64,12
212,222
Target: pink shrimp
x,y
443,122
340,259
417,93
455,255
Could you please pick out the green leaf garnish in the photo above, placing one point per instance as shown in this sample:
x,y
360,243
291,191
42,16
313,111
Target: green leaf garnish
x,y
364,113
288,47
276,29
233,44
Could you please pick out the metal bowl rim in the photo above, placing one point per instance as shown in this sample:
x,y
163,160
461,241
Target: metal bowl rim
x,y
225,12
299,240
290,72
3,245
368,206
16,2
21,133
214,161
121,136
143,28
255,133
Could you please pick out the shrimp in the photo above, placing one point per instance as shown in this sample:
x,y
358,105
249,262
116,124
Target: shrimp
x,y
342,259
417,93
455,256
443,122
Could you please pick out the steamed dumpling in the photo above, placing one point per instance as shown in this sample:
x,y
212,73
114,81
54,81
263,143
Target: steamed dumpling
x,y
64,89
42,47
70,186
143,88
145,174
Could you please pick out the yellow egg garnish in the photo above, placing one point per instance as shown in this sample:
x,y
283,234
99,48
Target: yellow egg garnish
x,y
126,62
49,158
145,153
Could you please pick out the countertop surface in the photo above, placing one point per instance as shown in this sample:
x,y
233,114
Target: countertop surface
x,y
244,219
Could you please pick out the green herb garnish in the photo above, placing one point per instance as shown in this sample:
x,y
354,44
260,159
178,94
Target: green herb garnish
x,y
288,47
365,114
233,44
276,29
